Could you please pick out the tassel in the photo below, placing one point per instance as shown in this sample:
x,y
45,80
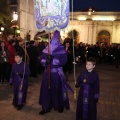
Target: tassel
x,y
75,94
21,87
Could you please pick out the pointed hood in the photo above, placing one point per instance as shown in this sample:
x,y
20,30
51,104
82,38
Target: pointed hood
x,y
54,43
55,39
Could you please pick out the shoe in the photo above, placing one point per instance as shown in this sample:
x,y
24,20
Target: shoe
x,y
15,106
34,76
19,107
4,83
60,110
66,79
44,112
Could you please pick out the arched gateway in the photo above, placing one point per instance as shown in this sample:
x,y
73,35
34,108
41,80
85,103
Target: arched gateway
x,y
104,37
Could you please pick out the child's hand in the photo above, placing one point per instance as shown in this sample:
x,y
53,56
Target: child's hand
x,y
96,100
21,75
76,85
11,84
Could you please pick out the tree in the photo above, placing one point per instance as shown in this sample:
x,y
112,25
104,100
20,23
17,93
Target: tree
x,y
5,16
4,12
73,34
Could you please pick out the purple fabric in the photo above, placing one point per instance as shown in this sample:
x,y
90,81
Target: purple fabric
x,y
19,95
86,106
56,97
96,96
65,86
54,43
56,18
85,102
55,61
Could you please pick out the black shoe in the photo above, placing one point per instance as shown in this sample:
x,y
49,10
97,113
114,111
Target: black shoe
x,y
66,79
4,83
19,107
44,112
60,110
15,106
34,76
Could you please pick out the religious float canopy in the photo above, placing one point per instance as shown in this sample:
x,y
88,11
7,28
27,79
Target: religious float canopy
x,y
51,15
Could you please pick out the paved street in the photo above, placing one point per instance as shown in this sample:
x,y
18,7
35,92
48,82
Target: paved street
x,y
108,106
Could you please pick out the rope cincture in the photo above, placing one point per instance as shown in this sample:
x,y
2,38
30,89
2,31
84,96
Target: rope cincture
x,y
75,93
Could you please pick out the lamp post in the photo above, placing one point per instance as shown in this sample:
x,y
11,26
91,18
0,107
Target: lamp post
x,y
1,30
15,17
90,11
14,20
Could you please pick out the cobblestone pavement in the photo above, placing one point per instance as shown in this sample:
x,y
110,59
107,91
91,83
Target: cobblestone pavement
x,y
108,106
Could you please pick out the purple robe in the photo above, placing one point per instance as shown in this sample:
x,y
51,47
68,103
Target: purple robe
x,y
89,91
19,94
56,97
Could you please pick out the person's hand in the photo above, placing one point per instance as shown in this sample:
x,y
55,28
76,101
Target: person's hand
x,y
48,62
96,100
21,75
50,57
4,53
11,84
76,85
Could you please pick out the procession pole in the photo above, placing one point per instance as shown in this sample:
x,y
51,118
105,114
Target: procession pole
x,y
75,93
49,64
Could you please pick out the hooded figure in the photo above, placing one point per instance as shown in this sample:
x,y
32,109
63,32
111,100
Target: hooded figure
x,y
56,96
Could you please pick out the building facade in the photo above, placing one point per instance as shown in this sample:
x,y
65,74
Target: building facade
x,y
95,27
102,27
25,11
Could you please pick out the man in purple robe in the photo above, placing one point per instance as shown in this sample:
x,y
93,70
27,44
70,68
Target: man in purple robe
x,y
19,74
53,93
88,81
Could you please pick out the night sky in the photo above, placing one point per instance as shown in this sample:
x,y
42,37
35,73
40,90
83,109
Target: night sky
x,y
97,5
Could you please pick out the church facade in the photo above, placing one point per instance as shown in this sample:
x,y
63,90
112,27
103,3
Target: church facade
x,y
102,27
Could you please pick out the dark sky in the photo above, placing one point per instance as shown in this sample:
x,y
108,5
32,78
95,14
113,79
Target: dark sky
x,y
98,5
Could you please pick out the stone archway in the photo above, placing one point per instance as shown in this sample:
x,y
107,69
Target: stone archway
x,y
103,37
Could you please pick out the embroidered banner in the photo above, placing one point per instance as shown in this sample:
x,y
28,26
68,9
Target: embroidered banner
x,y
51,15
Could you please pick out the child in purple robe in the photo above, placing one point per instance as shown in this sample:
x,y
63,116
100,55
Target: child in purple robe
x,y
88,96
19,74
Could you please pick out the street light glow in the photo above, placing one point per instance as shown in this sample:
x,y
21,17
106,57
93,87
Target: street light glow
x,y
90,11
15,16
2,28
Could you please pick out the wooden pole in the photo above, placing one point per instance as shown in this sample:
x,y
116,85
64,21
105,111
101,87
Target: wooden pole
x,y
49,64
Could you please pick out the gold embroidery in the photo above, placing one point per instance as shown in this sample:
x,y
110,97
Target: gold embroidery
x,y
84,80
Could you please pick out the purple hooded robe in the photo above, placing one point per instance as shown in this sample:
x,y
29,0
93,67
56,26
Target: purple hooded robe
x,y
56,97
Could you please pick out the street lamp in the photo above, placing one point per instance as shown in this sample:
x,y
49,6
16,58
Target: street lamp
x,y
15,16
2,28
14,20
90,11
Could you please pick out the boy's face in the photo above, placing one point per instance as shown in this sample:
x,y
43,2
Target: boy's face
x,y
89,66
18,59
